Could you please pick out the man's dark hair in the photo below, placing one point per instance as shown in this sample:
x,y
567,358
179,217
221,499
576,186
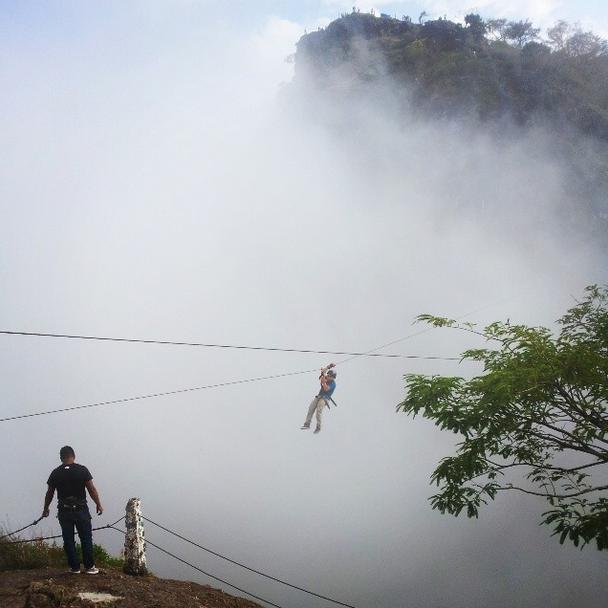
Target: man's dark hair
x,y
66,451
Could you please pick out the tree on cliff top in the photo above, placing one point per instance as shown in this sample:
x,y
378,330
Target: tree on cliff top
x,y
535,421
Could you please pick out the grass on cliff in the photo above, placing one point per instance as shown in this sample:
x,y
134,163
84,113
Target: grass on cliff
x,y
40,554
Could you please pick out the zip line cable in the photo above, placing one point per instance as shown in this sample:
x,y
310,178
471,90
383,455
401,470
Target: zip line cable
x,y
370,353
217,578
273,578
154,395
352,356
200,388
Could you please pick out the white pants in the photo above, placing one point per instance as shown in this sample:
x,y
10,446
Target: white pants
x,y
316,405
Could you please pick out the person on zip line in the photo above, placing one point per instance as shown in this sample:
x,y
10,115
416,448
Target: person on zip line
x,y
328,385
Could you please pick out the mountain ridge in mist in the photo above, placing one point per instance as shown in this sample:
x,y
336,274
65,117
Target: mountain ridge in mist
x,y
454,69
508,86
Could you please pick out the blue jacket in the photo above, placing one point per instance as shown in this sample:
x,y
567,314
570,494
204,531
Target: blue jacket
x,y
328,393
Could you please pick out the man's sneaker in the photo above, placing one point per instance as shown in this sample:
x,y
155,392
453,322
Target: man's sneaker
x,y
92,570
75,571
305,427
317,430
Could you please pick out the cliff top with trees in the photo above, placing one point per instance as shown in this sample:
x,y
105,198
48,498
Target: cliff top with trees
x,y
484,68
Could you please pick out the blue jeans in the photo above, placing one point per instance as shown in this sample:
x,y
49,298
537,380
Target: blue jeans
x,y
82,520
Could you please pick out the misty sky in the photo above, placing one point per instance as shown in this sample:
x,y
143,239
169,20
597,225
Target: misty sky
x,y
159,179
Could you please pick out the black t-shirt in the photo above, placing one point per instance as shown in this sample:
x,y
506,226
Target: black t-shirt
x,y
69,480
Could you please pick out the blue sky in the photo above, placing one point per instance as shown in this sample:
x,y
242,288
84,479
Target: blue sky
x,y
592,14
542,11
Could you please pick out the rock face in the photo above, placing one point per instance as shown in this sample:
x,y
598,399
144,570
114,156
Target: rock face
x,y
47,594
52,588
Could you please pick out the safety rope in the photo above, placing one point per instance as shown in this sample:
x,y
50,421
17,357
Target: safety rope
x,y
217,578
40,538
21,529
232,561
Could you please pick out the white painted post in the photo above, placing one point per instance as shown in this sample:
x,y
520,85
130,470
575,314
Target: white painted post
x,y
135,545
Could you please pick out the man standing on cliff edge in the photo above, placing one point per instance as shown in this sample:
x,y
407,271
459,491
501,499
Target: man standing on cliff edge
x,y
70,480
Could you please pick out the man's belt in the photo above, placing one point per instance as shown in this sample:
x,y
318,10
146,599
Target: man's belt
x,y
72,503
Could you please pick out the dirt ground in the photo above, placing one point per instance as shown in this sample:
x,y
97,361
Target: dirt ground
x,y
52,588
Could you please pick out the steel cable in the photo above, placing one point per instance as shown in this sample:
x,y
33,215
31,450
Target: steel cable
x,y
217,578
154,395
370,353
273,578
